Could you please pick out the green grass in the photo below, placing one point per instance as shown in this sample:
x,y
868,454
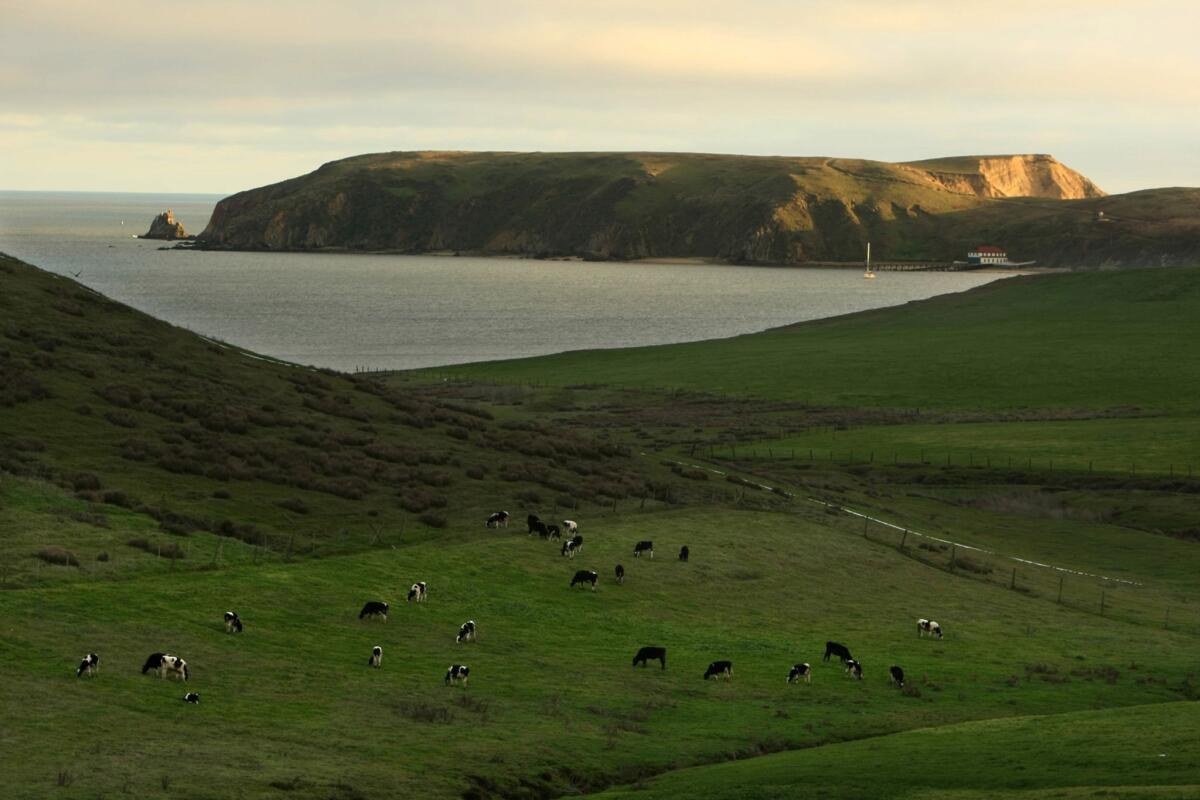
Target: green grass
x,y
1139,752
293,699
1050,342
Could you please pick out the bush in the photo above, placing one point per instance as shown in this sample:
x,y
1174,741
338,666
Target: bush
x,y
169,550
476,473
433,520
85,481
294,504
53,554
221,494
115,498
103,556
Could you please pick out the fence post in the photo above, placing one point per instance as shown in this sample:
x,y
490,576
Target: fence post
x,y
1012,584
953,555
866,521
903,539
1061,578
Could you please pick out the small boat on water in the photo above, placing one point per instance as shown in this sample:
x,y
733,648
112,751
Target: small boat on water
x,y
869,274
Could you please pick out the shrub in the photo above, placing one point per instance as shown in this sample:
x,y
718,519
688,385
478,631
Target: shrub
x,y
221,494
294,504
103,556
122,419
53,554
433,520
117,498
529,496
476,473
85,481
169,550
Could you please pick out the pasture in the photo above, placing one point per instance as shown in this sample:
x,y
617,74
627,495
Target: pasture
x,y
553,705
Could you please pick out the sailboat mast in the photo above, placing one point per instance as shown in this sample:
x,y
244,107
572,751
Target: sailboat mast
x,y
868,256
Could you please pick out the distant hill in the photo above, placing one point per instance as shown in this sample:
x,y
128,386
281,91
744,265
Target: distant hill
x,y
738,209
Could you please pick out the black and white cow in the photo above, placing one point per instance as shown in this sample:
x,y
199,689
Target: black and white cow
x,y
925,626
896,676
376,659
835,649
799,671
719,669
192,697
457,673
854,669
417,593
577,543
535,523
683,553
167,665
643,547
570,526
585,576
650,654
620,573
552,532
466,632
233,623
497,520
568,548
374,608
89,665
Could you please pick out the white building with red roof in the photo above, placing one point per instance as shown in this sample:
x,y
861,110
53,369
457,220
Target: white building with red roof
x,y
987,255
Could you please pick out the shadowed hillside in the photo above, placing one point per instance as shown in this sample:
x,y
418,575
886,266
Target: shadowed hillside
x,y
740,209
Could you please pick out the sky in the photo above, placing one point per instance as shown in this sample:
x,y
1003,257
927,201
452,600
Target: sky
x,y
213,96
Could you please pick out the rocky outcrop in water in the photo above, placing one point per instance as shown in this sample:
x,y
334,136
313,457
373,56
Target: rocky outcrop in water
x,y
166,227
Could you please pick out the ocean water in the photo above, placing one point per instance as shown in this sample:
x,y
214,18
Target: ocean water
x,y
401,312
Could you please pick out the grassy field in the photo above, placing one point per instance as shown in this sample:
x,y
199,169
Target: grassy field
x,y
552,704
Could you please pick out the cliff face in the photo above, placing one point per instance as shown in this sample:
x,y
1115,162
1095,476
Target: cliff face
x,y
635,205
165,226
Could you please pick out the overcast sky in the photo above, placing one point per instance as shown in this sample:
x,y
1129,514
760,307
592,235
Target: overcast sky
x,y
201,96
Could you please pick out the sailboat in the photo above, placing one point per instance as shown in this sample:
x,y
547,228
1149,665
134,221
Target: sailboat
x,y
869,273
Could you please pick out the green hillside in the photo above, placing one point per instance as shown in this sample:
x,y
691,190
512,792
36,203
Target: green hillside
x,y
740,209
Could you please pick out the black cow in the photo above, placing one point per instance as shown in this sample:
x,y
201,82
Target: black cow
x,y
650,654
799,671
854,669
719,669
466,632
896,676
585,576
89,665
683,553
376,659
233,623
374,608
497,520
533,521
191,697
457,673
643,547
552,532
835,649
620,571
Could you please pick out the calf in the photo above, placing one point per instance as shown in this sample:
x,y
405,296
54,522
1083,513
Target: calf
x,y
497,520
568,548
925,626
683,553
533,521
89,665
376,659
552,532
650,654
374,608
466,632
233,623
620,571
835,649
896,676
458,673
643,547
417,593
570,526
191,697
799,671
585,576
854,669
719,669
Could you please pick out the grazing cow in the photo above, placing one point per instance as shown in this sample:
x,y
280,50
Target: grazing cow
x,y
719,669
376,659
896,676
458,673
683,553
835,649
620,571
570,526
552,532
167,665
374,608
577,542
192,697
533,520
584,576
650,654
568,548
417,592
854,669
466,632
89,665
643,547
799,671
233,623
497,520
925,626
